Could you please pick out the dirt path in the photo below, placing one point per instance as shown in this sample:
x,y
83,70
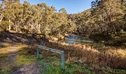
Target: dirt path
x,y
12,53
32,68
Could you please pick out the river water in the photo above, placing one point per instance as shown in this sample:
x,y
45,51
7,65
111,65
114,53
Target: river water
x,y
71,39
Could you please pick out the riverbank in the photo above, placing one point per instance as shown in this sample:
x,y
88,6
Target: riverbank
x,y
104,60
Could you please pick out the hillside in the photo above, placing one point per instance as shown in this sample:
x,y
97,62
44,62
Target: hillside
x,y
99,34
105,21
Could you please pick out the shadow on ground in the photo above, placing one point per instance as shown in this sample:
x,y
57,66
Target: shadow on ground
x,y
30,39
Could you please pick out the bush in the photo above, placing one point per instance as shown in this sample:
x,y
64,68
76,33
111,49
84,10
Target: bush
x,y
98,37
4,25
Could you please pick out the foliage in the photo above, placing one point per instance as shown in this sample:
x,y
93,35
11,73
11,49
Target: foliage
x,y
106,17
38,18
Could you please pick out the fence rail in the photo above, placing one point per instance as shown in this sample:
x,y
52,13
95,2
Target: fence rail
x,y
40,48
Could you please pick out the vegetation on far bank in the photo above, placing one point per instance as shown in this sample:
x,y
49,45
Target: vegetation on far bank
x,y
104,21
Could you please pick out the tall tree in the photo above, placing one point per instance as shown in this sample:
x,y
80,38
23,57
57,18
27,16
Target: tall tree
x,y
9,11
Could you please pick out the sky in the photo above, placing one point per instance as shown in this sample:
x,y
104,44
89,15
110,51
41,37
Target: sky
x,y
71,6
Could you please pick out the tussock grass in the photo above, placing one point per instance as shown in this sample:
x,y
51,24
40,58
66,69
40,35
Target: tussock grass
x,y
85,54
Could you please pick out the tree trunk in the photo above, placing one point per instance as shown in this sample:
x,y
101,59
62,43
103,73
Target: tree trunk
x,y
9,28
39,26
16,27
1,18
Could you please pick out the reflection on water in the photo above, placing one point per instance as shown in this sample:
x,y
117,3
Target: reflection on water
x,y
77,39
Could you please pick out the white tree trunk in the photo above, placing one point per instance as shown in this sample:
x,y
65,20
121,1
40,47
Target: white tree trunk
x,y
32,27
9,28
39,27
1,18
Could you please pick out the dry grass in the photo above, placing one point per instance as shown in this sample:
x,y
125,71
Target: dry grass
x,y
112,57
10,48
82,55
116,58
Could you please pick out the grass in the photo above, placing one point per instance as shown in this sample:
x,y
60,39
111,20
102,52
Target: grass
x,y
119,71
74,68
51,64
54,67
23,58
108,58
2,57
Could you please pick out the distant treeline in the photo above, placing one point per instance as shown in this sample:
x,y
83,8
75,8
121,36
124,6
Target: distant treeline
x,y
106,17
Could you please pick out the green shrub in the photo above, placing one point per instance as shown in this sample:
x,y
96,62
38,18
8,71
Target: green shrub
x,y
4,25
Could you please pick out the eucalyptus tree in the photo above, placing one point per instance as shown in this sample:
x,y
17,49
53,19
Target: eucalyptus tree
x,y
67,26
27,16
9,11
83,20
1,13
52,20
43,17
124,10
18,16
49,19
63,20
111,12
36,18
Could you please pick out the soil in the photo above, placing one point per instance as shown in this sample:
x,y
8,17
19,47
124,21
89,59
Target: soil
x,y
32,68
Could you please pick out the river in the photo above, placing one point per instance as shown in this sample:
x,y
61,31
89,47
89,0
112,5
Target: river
x,y
71,39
